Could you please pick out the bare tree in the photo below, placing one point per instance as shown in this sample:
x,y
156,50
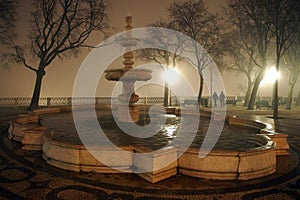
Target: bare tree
x,y
298,99
59,29
239,58
251,18
193,19
164,58
7,20
291,62
283,16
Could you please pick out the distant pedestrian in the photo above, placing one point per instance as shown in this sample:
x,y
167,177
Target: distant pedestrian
x,y
215,98
222,99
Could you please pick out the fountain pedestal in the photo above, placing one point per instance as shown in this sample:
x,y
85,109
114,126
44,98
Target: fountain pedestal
x,y
123,113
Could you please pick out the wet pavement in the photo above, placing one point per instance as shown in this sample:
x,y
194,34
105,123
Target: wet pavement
x,y
25,175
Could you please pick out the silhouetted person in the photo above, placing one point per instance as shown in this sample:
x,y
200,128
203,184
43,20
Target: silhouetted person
x,y
215,98
222,99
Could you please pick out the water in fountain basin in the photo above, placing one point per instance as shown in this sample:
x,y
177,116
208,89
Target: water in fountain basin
x,y
233,137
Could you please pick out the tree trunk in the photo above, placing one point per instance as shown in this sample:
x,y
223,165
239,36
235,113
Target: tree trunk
x,y
34,104
200,90
292,83
254,90
166,95
288,105
275,100
275,107
247,96
298,99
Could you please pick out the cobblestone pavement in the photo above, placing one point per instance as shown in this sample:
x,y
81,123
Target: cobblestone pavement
x,y
25,175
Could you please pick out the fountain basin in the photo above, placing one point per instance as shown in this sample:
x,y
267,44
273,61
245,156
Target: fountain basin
x,y
220,165
243,164
62,148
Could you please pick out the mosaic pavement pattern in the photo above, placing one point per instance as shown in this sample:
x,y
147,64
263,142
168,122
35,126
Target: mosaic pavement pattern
x,y
25,175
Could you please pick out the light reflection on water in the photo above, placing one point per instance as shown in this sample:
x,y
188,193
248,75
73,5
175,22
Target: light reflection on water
x,y
233,137
169,129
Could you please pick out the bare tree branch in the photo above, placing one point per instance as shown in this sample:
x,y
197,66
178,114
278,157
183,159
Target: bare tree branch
x,y
59,28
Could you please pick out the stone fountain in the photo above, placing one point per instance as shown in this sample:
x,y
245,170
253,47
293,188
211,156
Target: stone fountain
x,y
128,76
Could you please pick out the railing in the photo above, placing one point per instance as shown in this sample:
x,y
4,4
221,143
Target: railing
x,y
60,101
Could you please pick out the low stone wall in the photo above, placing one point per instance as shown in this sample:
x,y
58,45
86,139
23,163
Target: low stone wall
x,y
230,165
282,146
16,130
47,110
77,157
280,139
27,119
27,130
216,165
246,122
155,166
151,167
256,164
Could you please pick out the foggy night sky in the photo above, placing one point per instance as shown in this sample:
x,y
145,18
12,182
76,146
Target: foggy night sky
x,y
60,75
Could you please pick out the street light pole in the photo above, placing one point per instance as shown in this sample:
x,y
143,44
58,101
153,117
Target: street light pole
x,y
211,87
170,95
171,76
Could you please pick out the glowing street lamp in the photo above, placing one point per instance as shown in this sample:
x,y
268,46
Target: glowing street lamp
x,y
171,76
271,75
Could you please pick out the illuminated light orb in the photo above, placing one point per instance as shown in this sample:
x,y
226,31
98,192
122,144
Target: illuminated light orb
x,y
171,75
271,75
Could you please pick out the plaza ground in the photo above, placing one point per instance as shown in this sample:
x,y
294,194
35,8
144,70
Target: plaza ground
x,y
25,175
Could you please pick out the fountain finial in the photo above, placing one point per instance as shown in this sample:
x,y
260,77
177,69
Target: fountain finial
x,y
128,20
128,62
